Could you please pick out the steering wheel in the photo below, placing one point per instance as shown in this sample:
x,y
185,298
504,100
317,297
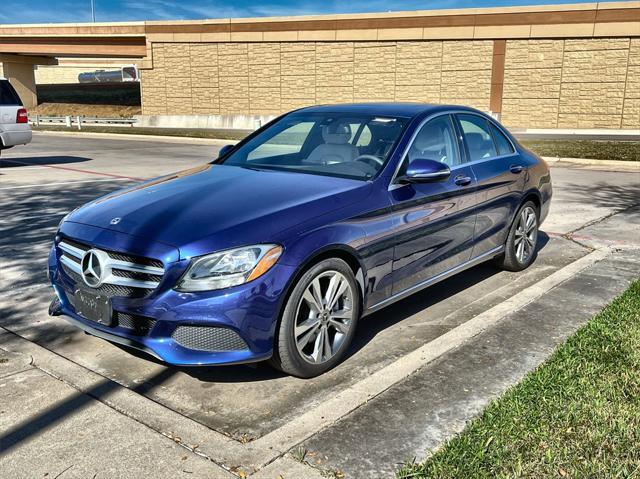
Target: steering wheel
x,y
369,159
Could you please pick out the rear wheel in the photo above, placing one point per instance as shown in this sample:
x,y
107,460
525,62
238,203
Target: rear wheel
x,y
319,320
520,247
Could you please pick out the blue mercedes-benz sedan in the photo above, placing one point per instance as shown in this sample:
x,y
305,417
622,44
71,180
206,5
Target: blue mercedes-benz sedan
x,y
276,249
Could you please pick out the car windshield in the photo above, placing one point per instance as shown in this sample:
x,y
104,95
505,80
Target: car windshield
x,y
333,144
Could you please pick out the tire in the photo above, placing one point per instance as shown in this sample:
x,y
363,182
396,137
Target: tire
x,y
300,348
520,250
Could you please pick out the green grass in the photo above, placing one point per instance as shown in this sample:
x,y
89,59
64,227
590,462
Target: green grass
x,y
577,415
592,149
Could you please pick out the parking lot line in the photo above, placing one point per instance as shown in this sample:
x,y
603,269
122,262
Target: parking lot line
x,y
42,185
77,170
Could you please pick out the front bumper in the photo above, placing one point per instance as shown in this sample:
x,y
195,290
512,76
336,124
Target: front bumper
x,y
249,311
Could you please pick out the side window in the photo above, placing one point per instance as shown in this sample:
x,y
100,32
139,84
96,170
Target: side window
x,y
502,142
8,95
436,140
288,141
477,137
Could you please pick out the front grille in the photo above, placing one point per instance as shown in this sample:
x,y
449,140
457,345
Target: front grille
x,y
208,338
110,290
139,325
123,275
156,263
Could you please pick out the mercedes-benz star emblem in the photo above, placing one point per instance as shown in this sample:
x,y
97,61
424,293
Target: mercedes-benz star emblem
x,y
115,221
92,268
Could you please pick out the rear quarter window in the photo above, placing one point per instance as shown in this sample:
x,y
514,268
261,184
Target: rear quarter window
x,y
8,95
502,142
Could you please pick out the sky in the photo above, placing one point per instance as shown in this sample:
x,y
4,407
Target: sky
x,y
56,11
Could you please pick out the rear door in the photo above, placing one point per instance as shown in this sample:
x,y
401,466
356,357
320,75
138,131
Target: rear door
x,y
500,176
435,221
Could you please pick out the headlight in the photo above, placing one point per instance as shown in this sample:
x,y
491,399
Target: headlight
x,y
229,268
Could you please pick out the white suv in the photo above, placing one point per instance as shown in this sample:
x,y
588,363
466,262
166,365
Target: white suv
x,y
14,124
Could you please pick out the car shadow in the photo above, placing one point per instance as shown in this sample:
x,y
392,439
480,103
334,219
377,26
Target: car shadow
x,y
16,162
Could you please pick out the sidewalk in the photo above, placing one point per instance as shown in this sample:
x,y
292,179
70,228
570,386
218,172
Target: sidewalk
x,y
50,429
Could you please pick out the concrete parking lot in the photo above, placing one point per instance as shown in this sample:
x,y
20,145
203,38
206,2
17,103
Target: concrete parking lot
x,y
417,371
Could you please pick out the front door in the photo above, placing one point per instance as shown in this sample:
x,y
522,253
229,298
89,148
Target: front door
x,y
434,221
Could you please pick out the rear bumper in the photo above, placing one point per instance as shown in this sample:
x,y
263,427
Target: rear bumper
x,y
18,136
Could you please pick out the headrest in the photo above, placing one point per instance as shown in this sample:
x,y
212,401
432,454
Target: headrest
x,y
475,141
430,136
336,133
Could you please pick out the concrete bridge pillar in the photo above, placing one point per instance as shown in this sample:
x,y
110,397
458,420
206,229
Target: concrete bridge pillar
x,y
19,70
21,76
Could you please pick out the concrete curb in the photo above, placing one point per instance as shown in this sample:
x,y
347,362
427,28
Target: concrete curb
x,y
135,137
625,165
576,131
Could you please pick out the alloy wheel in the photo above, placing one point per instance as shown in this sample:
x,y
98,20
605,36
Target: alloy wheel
x,y
324,317
526,234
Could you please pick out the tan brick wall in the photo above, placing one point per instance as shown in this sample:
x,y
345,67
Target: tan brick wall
x,y
572,83
548,83
272,77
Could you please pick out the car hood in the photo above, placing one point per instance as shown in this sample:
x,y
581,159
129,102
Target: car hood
x,y
216,206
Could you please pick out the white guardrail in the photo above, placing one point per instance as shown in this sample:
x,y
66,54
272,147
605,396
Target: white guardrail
x,y
79,121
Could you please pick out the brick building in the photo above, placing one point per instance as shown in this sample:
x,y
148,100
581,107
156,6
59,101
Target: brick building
x,y
571,66
556,66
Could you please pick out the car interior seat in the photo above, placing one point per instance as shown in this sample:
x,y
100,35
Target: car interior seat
x,y
433,143
479,146
336,147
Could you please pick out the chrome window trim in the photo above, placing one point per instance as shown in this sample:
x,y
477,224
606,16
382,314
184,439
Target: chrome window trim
x,y
492,121
393,185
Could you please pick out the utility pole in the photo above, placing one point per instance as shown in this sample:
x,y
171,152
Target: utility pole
x,y
93,11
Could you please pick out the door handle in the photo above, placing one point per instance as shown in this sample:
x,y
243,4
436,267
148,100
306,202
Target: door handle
x,y
515,169
461,180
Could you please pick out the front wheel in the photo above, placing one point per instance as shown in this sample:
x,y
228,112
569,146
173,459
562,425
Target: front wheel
x,y
520,247
319,320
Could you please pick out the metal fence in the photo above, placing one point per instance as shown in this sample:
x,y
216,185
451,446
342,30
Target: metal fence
x,y
80,121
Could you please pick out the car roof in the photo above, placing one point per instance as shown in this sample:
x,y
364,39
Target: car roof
x,y
391,109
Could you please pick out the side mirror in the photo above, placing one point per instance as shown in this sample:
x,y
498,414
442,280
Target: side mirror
x,y
224,150
425,171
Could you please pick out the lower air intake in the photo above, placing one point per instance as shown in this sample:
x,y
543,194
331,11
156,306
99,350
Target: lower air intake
x,y
208,338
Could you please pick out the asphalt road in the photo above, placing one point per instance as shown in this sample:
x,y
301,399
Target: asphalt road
x,y
41,182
